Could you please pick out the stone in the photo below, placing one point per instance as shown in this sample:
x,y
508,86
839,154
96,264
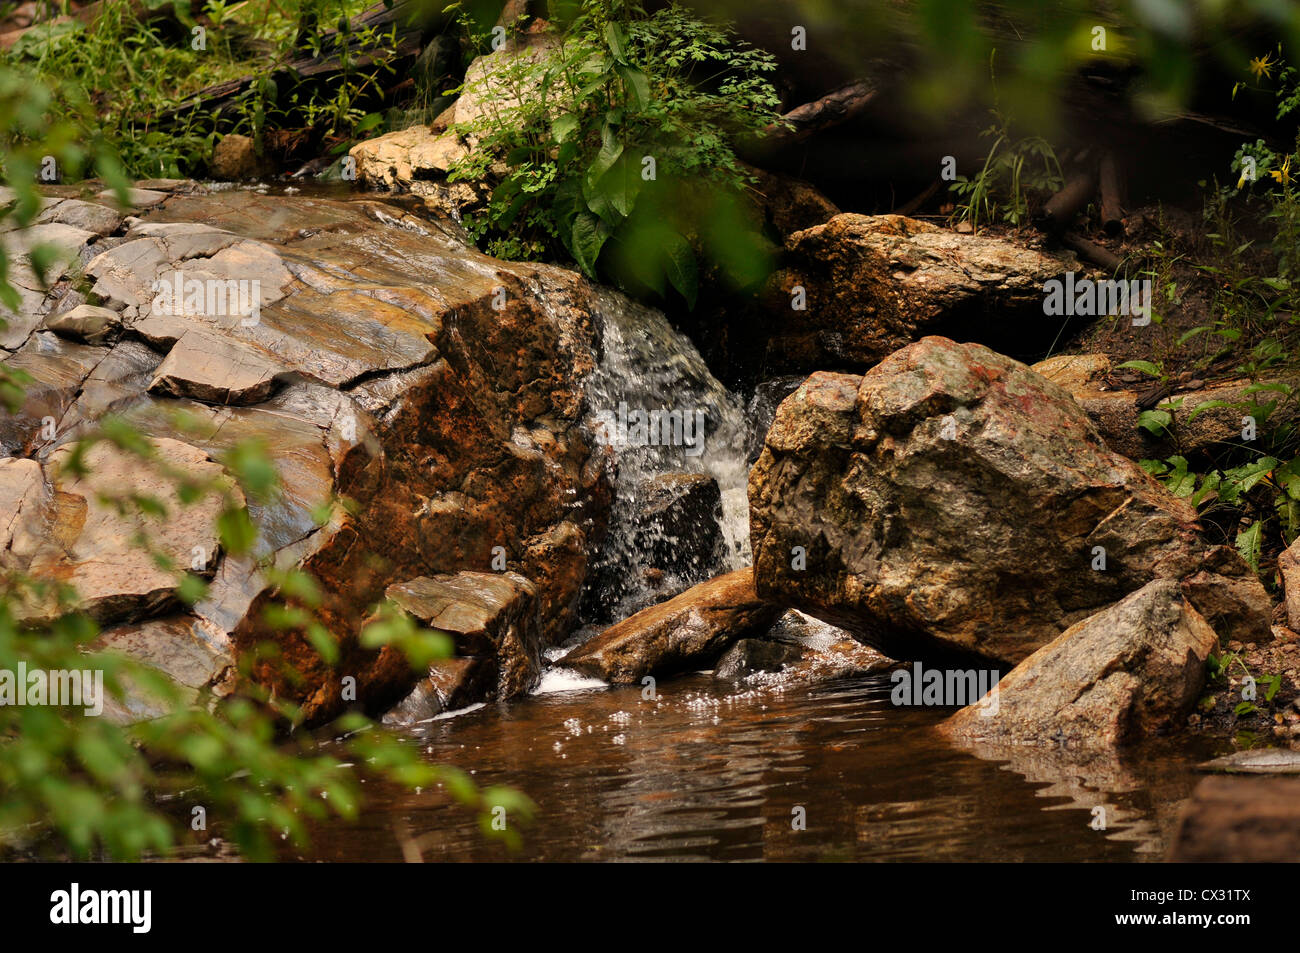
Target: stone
x,y
90,545
451,684
1129,672
953,501
136,198
1256,761
234,158
875,283
215,370
85,322
1288,565
1116,412
688,631
490,616
196,656
394,160
747,656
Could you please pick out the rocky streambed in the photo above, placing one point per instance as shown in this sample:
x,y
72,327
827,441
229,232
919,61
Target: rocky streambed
x,y
492,448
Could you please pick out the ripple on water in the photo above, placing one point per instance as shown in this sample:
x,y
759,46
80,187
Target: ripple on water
x,y
708,772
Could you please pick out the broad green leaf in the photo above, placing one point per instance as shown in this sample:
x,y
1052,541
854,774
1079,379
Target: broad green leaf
x,y
1249,542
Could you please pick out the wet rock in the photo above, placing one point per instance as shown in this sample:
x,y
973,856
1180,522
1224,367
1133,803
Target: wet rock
x,y
215,370
762,407
56,369
439,392
234,158
85,322
1240,820
1124,674
196,656
688,631
491,616
681,516
875,283
748,656
1116,412
451,684
91,545
951,500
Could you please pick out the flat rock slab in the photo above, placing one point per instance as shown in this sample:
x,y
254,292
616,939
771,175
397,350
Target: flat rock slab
x,y
489,615
688,631
216,370
91,545
1122,675
1240,820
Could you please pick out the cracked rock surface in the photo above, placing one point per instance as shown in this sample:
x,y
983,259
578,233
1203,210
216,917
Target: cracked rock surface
x,y
423,404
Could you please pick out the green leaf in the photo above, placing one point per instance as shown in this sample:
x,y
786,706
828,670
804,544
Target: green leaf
x,y
616,40
1157,422
564,126
1249,542
681,267
636,86
1146,367
588,238
1207,405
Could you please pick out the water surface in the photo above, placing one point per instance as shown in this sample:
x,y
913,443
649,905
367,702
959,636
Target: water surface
x,y
711,772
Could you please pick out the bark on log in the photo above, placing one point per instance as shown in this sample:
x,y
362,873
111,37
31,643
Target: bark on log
x,y
1065,204
1101,257
1112,191
833,109
402,16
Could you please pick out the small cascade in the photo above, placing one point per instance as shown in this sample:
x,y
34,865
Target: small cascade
x,y
677,433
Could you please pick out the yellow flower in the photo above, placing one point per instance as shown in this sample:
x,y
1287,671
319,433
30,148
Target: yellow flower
x,y
1283,174
1262,66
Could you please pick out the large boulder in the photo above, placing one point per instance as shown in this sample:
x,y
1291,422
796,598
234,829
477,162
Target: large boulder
x,y
874,283
1129,672
688,631
425,406
952,500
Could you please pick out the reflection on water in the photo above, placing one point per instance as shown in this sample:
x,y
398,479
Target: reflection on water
x,y
704,772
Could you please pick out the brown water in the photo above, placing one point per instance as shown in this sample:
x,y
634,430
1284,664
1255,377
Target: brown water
x,y
709,772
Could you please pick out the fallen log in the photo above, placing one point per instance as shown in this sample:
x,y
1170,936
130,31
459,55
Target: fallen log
x,y
1103,258
831,110
1112,190
405,19
1065,204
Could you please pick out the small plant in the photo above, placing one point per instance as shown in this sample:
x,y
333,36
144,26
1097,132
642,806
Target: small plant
x,y
1014,171
611,143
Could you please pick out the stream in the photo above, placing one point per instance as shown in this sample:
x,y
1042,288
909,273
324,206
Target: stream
x,y
720,771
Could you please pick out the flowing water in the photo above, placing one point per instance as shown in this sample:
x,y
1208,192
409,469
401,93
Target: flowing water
x,y
764,770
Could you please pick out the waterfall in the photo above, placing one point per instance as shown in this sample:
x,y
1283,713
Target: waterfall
x,y
654,401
